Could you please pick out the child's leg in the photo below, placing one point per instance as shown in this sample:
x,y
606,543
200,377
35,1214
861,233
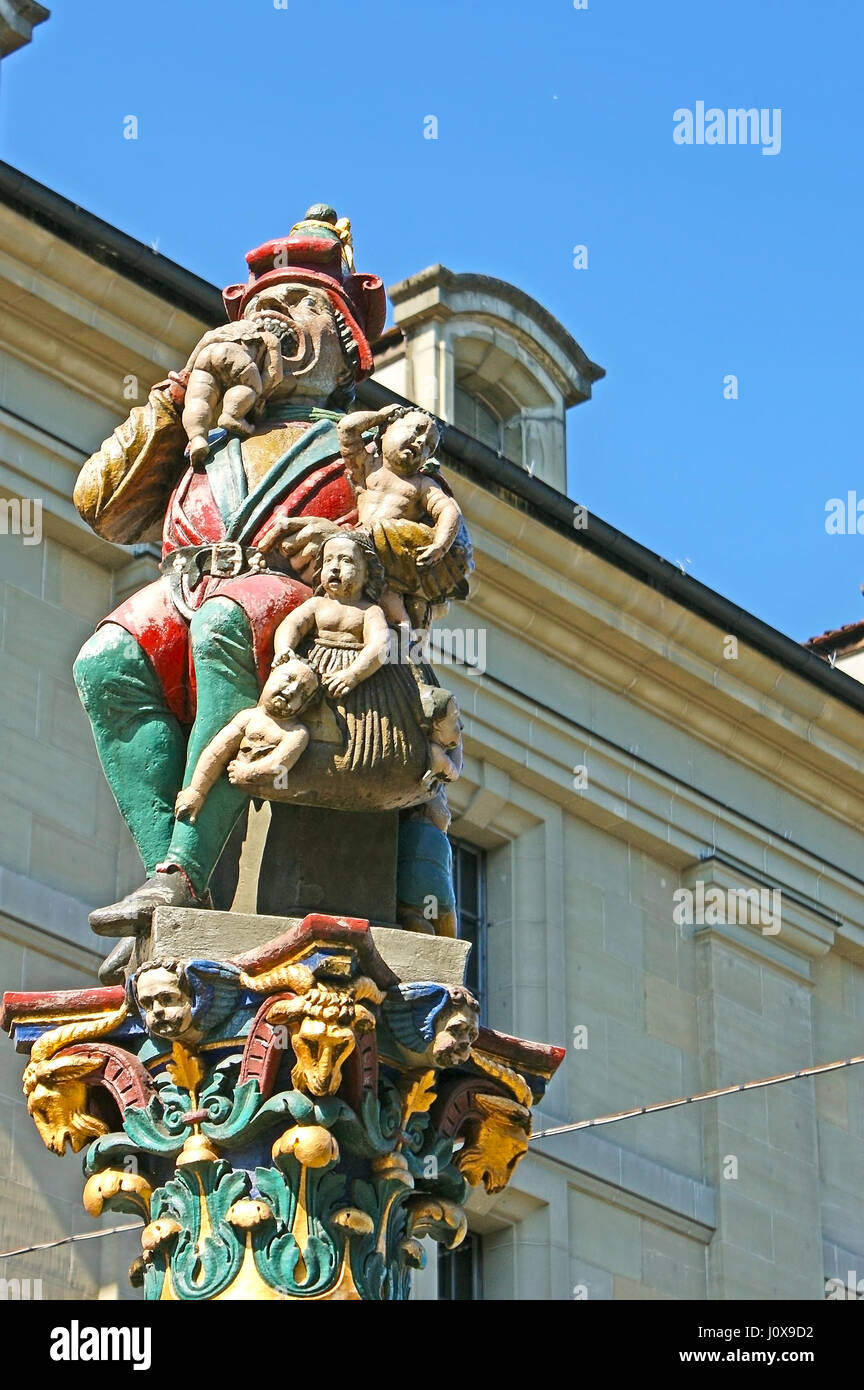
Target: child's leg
x,y
420,612
239,400
202,396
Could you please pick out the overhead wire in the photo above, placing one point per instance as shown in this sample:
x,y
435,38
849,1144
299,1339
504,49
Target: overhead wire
x,y
730,1090
66,1240
735,1088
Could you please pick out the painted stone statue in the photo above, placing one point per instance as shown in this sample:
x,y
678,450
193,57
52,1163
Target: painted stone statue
x,y
289,1103
241,460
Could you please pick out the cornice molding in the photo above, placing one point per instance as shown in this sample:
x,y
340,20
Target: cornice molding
x,y
632,800
806,931
18,18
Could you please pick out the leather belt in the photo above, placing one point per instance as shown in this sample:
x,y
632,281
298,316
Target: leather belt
x,y
224,560
187,566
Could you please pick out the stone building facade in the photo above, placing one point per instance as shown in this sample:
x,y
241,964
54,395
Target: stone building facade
x,y
629,735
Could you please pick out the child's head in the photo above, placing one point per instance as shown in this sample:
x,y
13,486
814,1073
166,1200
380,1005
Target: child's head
x,y
349,566
289,687
411,437
442,712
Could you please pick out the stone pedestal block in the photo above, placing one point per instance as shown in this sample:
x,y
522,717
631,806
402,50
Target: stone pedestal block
x,y
289,860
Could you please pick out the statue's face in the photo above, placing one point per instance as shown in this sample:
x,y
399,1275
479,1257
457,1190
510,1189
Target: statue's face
x,y
54,1111
343,568
321,1047
288,688
457,1030
58,1101
409,441
165,1004
313,359
495,1142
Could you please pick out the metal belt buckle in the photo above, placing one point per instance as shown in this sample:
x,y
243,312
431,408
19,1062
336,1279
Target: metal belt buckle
x,y
226,559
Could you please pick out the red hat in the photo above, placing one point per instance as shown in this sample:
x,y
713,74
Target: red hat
x,y
312,254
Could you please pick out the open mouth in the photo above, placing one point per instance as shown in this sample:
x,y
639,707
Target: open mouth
x,y
293,341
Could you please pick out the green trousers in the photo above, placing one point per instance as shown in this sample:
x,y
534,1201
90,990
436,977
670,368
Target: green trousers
x,y
142,746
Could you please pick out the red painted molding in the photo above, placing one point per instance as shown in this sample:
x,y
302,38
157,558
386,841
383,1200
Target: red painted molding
x,y
59,1001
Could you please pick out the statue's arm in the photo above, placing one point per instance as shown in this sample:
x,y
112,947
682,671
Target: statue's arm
x,y
446,763
376,643
123,489
293,628
446,514
351,428
219,751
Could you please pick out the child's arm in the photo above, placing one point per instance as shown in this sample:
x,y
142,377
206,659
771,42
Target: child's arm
x,y
447,514
294,628
210,766
449,761
351,429
372,655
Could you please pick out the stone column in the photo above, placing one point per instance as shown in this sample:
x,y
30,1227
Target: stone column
x,y
290,1120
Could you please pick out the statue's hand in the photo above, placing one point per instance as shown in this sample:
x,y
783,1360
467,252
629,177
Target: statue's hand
x,y
229,352
248,776
264,770
352,426
429,555
188,805
174,387
299,539
387,413
240,331
339,683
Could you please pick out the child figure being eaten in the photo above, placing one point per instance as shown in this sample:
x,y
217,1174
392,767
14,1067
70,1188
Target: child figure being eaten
x,y
237,364
267,739
414,521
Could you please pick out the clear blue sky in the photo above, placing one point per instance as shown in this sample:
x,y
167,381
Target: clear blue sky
x,y
555,129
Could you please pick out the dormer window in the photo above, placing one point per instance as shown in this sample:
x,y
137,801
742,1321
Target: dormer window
x,y
489,359
477,418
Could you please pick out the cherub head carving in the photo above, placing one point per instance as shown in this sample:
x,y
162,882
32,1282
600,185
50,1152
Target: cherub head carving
x,y
435,1022
163,994
182,1000
456,1028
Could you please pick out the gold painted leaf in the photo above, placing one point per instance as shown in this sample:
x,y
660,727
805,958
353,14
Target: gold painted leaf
x,y
185,1069
419,1096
